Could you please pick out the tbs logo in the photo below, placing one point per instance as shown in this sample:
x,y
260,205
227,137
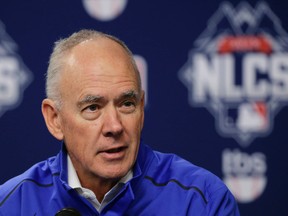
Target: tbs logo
x,y
238,70
244,174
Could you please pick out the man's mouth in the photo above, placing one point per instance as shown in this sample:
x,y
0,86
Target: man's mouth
x,y
115,150
114,153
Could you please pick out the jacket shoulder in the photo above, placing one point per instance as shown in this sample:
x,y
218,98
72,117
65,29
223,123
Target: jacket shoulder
x,y
165,169
39,175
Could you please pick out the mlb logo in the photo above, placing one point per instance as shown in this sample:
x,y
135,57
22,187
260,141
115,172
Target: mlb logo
x,y
252,117
245,119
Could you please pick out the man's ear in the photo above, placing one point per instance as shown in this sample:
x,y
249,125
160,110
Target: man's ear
x,y
142,108
52,118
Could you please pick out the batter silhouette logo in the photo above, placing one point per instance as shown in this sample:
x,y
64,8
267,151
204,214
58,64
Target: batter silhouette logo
x,y
238,70
14,76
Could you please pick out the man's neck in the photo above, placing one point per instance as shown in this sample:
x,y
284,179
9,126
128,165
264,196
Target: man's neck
x,y
99,188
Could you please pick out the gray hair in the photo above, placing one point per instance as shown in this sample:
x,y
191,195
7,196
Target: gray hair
x,y
61,49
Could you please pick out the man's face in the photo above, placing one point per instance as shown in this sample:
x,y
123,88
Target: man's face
x,y
102,113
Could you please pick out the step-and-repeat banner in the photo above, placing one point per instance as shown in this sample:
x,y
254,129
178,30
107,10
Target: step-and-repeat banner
x,y
215,75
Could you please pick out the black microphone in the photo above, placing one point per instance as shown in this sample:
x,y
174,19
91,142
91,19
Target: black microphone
x,y
68,212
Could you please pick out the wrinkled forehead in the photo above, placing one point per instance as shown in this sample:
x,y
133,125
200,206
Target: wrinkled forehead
x,y
99,57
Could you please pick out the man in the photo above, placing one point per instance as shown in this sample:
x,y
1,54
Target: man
x,y
95,104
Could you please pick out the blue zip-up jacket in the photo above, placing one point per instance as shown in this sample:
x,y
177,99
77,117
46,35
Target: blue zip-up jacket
x,y
163,184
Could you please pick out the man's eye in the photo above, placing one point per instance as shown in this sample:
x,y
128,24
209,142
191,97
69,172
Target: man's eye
x,y
128,104
92,108
91,112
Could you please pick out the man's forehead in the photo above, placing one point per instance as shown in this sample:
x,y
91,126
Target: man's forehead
x,y
102,68
99,52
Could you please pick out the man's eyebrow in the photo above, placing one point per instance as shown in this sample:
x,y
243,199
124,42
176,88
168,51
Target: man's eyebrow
x,y
129,94
89,99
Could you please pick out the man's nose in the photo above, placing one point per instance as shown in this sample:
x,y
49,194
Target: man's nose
x,y
112,125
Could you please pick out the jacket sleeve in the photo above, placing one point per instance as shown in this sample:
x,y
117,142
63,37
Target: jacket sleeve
x,y
222,203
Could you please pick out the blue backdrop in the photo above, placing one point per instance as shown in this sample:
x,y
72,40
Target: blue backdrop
x,y
215,75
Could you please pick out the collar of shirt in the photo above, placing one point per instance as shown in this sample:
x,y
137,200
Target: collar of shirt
x,y
74,182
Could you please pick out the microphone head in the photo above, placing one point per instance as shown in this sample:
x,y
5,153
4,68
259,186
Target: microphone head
x,y
68,212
